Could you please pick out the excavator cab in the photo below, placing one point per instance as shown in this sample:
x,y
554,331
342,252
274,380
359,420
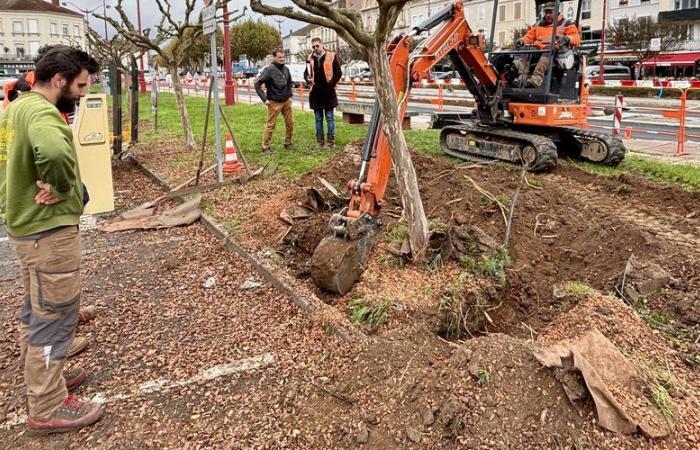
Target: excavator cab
x,y
562,83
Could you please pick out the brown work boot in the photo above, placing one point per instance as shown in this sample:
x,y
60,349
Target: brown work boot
x,y
330,141
320,141
87,314
78,345
70,416
74,378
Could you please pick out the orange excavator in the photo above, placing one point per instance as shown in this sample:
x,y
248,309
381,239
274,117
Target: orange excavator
x,y
510,122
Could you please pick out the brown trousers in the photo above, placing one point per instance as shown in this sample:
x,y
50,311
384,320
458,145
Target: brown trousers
x,y
50,268
273,111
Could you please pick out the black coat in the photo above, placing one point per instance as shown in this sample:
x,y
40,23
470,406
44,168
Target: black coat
x,y
278,82
322,95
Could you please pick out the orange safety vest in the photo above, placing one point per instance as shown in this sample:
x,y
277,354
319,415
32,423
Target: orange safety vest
x,y
7,87
327,65
541,34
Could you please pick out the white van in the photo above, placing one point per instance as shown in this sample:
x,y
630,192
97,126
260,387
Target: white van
x,y
297,72
611,72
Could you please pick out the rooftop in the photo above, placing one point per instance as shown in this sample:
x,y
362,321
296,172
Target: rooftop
x,y
35,5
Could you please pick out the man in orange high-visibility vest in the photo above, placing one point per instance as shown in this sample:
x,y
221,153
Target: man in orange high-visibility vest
x,y
322,74
540,35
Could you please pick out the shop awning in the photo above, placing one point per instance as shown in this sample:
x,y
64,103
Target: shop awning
x,y
672,60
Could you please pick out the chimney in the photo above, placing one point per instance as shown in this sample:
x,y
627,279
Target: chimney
x,y
55,3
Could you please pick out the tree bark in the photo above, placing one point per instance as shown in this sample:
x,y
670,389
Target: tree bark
x,y
182,108
406,178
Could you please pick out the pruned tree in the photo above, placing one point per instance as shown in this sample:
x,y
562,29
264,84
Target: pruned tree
x,y
182,34
347,23
254,38
112,51
197,55
636,33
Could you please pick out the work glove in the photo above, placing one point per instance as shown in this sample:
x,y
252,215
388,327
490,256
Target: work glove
x,y
563,40
519,43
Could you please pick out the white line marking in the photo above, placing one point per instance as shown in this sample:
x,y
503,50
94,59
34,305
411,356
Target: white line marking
x,y
163,385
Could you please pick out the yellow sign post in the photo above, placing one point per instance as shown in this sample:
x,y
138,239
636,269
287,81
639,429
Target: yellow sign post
x,y
91,138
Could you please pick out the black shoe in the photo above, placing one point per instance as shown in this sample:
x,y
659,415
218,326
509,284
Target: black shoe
x,y
288,146
267,151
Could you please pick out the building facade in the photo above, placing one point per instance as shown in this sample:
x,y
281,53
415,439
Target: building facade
x,y
27,25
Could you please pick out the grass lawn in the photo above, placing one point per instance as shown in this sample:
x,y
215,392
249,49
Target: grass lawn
x,y
248,122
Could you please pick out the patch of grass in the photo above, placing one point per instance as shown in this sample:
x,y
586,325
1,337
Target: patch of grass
x,y
504,200
232,223
248,122
685,175
374,315
392,260
662,400
534,182
484,377
468,263
435,263
437,224
486,202
577,288
397,234
577,445
495,265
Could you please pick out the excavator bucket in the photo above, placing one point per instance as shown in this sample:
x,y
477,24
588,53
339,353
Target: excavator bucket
x,y
338,262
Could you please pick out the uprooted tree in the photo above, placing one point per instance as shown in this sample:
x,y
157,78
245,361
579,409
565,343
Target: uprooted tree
x,y
181,33
347,23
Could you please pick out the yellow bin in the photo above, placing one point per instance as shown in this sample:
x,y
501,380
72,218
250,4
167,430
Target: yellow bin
x,y
91,138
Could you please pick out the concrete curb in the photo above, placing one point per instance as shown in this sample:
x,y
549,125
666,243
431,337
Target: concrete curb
x,y
308,305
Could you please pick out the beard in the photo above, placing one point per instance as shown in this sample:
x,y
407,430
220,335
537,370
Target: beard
x,y
66,101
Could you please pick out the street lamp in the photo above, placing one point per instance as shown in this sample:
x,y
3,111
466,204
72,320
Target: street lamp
x,y
87,13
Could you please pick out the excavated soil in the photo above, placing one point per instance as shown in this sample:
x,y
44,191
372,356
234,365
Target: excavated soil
x,y
568,225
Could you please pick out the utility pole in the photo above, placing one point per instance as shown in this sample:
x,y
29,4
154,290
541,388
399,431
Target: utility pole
x,y
228,82
279,28
104,14
601,63
142,79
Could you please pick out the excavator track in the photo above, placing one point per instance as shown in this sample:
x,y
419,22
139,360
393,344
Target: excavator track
x,y
597,148
474,142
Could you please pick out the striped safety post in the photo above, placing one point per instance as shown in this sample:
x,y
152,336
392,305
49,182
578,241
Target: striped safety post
x,y
680,147
617,116
250,95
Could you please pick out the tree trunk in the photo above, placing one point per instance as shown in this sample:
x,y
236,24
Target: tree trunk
x,y
400,156
182,108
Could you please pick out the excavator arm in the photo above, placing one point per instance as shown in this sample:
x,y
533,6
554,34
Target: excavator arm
x,y
338,260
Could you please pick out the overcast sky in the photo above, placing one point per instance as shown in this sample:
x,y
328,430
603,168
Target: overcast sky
x,y
150,14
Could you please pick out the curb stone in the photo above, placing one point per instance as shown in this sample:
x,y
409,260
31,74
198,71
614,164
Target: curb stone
x,y
308,304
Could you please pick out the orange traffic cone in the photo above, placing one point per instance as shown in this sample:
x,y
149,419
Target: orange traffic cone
x,y
231,163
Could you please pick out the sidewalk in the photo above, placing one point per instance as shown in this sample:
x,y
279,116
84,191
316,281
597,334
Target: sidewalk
x,y
173,361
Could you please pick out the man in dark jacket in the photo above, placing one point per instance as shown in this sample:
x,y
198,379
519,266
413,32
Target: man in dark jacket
x,y
277,97
322,74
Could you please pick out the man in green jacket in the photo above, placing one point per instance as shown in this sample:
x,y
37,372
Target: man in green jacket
x,y
41,199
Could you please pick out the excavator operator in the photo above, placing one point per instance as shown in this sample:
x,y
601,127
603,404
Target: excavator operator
x,y
540,35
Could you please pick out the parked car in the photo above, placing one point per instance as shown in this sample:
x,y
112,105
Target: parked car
x,y
297,72
445,75
610,72
365,75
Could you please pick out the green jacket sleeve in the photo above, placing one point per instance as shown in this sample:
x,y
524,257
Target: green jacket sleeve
x,y
51,142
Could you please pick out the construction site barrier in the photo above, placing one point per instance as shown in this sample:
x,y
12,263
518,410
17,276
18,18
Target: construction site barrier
x,y
681,136
681,113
